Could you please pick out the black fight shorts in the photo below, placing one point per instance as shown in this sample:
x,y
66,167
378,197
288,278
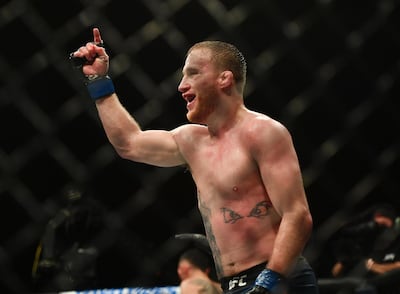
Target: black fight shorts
x,y
301,280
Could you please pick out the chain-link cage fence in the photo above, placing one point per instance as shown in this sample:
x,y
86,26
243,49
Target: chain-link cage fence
x,y
328,69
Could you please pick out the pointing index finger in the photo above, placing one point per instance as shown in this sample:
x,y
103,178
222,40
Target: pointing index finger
x,y
96,36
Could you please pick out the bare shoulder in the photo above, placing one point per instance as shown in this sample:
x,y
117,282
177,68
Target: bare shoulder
x,y
262,126
267,138
188,132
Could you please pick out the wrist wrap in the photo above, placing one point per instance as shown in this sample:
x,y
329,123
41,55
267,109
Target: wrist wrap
x,y
268,279
99,86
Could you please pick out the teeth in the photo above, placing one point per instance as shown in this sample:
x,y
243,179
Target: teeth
x,y
189,98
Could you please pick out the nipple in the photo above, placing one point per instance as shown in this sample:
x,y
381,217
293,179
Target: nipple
x,y
235,188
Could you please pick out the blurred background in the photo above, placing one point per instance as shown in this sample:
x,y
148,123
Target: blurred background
x,y
328,69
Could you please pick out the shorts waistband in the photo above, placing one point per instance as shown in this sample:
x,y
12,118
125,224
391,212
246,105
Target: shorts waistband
x,y
242,279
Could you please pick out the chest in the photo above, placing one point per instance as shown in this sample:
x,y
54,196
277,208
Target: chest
x,y
225,164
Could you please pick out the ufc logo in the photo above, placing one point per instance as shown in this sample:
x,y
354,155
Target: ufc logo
x,y
237,282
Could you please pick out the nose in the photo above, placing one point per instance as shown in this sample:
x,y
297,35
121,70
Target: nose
x,y
183,86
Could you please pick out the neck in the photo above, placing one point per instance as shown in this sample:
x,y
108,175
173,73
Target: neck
x,y
222,121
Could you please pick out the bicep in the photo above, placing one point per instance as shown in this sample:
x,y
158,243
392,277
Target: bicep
x,y
155,147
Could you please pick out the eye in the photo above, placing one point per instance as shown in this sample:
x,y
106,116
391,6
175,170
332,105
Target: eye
x,y
261,209
191,72
230,216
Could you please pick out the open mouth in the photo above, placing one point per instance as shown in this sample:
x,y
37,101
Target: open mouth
x,y
189,97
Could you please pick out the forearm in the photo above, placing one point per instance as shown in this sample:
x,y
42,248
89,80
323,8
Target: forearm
x,y
381,268
292,236
117,122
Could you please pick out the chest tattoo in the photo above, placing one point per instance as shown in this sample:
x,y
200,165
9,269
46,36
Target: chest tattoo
x,y
230,216
258,211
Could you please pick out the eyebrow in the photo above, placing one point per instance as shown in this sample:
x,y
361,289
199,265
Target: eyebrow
x,y
189,69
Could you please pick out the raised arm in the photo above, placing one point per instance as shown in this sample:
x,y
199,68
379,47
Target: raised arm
x,y
155,147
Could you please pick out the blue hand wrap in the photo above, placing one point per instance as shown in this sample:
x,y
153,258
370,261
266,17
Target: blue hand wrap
x,y
268,279
100,87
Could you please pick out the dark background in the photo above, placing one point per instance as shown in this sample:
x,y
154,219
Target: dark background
x,y
327,69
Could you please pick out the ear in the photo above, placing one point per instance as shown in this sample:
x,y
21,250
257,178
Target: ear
x,y
226,79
